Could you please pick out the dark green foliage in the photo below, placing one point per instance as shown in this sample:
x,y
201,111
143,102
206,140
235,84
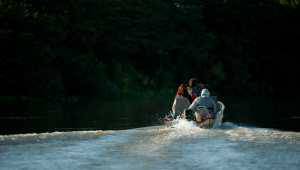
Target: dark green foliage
x,y
64,51
255,40
84,47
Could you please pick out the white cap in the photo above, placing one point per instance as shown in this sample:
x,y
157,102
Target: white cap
x,y
205,93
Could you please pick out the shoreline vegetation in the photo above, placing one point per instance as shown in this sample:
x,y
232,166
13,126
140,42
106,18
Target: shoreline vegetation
x,y
78,63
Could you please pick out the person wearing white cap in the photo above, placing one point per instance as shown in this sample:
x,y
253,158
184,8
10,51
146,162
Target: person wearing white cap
x,y
203,107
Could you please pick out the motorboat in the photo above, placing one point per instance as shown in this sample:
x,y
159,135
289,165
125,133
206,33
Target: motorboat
x,y
215,122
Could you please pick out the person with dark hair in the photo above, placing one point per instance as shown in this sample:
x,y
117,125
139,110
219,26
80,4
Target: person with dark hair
x,y
180,104
194,89
181,101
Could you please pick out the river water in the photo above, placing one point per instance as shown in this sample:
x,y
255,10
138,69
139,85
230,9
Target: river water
x,y
180,146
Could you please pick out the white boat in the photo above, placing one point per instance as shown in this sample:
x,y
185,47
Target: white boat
x,y
217,121
208,123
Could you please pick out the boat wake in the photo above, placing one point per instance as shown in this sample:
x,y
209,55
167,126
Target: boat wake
x,y
44,137
180,146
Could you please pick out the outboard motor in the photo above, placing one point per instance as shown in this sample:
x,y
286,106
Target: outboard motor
x,y
189,115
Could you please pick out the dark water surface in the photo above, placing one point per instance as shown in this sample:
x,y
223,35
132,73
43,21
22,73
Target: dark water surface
x,y
125,114
88,116
99,135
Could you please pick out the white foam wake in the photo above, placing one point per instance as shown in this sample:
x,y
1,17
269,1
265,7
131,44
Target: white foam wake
x,y
37,137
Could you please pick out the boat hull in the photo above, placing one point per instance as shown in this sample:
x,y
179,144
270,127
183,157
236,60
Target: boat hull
x,y
217,121
209,123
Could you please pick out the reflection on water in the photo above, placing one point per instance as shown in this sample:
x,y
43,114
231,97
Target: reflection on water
x,y
182,146
92,114
105,115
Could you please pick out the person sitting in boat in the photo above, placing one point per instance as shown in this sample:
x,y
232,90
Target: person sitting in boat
x,y
194,89
181,101
202,108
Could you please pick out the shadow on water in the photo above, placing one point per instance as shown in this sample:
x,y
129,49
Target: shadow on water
x,y
94,114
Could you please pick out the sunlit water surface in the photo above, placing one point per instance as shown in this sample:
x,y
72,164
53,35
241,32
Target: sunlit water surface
x,y
181,146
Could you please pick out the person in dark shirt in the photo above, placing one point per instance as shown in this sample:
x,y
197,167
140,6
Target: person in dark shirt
x,y
194,89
